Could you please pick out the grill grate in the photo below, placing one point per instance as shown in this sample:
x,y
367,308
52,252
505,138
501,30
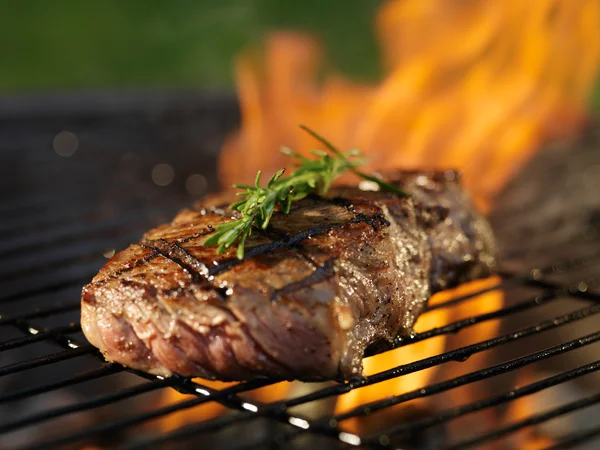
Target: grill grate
x,y
275,411
53,243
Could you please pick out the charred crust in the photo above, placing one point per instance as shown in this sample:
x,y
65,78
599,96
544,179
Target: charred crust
x,y
376,221
117,273
430,215
275,234
208,230
138,263
88,297
286,241
178,255
341,201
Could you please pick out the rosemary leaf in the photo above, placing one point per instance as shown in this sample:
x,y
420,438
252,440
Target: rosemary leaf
x,y
258,204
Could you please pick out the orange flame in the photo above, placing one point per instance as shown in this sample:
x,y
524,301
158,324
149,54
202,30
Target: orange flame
x,y
480,304
470,85
527,438
212,409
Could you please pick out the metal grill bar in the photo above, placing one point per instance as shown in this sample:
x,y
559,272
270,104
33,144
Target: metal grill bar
x,y
95,403
510,280
482,375
105,370
49,265
457,326
45,360
532,420
76,231
37,313
532,388
53,287
54,218
328,425
50,216
31,284
230,400
195,429
63,284
19,342
185,385
454,355
155,414
182,384
41,201
572,290
460,354
575,439
100,239
471,321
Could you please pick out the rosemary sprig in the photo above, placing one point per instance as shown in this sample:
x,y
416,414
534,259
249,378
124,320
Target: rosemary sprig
x,y
258,204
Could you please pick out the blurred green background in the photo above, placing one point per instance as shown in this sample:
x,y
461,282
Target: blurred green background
x,y
65,44
90,44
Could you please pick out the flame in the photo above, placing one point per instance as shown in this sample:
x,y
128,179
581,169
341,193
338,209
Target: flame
x,y
475,306
391,359
528,438
479,304
470,85
185,416
212,409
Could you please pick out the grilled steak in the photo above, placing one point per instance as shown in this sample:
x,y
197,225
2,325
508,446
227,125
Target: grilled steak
x,y
322,284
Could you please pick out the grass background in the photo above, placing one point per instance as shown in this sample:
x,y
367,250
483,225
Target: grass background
x,y
66,44
89,44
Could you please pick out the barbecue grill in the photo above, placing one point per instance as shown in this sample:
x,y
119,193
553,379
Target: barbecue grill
x,y
80,182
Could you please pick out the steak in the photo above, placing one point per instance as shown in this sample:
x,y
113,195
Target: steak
x,y
334,277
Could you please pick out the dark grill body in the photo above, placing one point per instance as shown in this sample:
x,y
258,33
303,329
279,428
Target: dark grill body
x,y
63,216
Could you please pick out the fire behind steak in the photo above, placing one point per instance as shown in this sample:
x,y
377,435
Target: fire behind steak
x,y
324,282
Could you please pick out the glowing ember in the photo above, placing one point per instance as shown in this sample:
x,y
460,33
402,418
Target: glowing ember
x,y
470,85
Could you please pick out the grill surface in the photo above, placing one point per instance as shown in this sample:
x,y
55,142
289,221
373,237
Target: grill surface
x,y
61,217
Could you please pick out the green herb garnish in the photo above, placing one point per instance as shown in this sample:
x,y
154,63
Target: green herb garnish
x,y
311,175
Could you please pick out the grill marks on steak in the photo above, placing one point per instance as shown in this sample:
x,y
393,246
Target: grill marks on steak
x,y
326,281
